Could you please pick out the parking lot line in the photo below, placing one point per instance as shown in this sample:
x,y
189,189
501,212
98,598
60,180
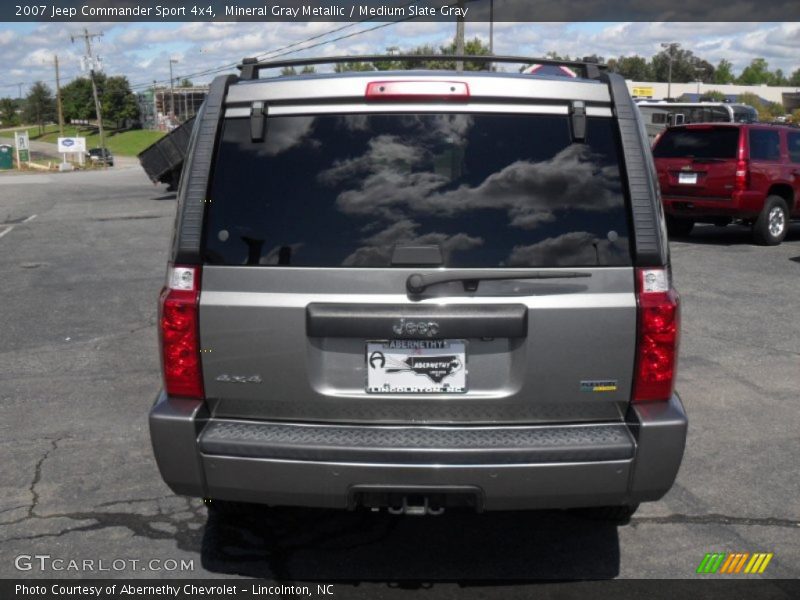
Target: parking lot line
x,y
6,230
29,219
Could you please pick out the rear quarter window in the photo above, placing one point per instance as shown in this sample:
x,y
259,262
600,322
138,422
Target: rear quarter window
x,y
711,142
489,190
765,145
793,142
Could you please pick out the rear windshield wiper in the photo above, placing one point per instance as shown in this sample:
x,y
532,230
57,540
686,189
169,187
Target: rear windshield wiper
x,y
419,282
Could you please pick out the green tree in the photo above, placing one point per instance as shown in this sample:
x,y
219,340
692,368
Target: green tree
x,y
8,112
756,73
779,78
712,96
724,72
304,71
473,47
751,99
766,110
632,67
77,101
40,106
186,83
686,67
117,100
399,65
353,66
795,78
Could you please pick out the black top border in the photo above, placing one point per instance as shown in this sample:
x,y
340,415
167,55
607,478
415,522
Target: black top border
x,y
474,11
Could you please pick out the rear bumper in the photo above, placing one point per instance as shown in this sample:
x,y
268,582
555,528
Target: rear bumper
x,y
508,468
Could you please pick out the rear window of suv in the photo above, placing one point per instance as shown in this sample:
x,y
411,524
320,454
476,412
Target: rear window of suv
x,y
707,142
490,190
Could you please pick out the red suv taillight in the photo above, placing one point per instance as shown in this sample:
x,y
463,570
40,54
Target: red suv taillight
x,y
741,180
179,334
657,343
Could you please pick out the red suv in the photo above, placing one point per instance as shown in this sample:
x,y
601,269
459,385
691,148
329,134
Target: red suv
x,y
715,173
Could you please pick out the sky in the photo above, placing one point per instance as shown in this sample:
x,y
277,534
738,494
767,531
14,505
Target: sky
x,y
142,51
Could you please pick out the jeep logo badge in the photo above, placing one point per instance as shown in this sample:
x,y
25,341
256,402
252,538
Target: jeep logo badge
x,y
420,328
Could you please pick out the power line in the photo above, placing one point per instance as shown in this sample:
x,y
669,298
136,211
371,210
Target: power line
x,y
280,51
276,53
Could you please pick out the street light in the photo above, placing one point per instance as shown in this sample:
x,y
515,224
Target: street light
x,y
699,71
672,47
172,88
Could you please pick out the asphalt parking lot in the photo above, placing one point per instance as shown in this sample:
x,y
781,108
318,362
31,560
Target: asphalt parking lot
x,y
80,370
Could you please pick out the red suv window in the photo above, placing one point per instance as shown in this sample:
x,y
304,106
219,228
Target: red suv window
x,y
765,145
793,141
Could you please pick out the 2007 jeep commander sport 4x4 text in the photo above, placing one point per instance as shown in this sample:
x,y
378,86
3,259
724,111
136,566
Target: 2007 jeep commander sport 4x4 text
x,y
419,289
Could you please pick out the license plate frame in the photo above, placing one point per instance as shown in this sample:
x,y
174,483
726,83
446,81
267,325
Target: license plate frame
x,y
399,367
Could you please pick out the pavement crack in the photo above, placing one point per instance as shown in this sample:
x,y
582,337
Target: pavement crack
x,y
139,525
718,519
134,500
37,477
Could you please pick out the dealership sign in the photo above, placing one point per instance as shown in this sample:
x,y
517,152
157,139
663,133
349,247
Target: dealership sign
x,y
22,143
71,144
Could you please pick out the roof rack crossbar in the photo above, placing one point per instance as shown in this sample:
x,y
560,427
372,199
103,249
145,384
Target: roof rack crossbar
x,y
250,67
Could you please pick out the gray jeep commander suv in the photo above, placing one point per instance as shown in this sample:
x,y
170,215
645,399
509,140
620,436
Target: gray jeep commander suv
x,y
419,289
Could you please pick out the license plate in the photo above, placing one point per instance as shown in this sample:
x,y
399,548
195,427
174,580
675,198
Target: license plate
x,y
417,367
688,178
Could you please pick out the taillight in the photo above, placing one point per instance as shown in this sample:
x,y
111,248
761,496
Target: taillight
x,y
179,334
417,91
657,343
742,175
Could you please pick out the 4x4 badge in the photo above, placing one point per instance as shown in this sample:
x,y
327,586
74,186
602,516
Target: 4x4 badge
x,y
426,328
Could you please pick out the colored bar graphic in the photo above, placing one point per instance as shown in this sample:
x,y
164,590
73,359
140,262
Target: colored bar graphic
x,y
741,562
704,563
733,562
766,562
711,562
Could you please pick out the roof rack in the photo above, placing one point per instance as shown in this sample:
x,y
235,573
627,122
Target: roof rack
x,y
250,67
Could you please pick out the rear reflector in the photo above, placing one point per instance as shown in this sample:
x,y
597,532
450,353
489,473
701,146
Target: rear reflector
x,y
179,333
658,336
416,91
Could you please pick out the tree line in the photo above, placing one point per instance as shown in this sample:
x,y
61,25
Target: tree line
x,y
117,102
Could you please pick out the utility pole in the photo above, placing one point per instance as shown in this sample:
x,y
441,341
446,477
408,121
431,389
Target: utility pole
x,y
491,31
19,95
58,100
155,105
172,89
672,46
460,36
87,38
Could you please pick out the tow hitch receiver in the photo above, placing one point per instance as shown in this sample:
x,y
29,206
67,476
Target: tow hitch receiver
x,y
417,501
417,505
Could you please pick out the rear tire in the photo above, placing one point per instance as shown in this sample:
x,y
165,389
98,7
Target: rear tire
x,y
677,227
772,224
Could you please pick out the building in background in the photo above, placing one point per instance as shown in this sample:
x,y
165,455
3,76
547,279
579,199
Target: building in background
x,y
165,108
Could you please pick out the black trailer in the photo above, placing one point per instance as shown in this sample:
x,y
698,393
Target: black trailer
x,y
163,160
